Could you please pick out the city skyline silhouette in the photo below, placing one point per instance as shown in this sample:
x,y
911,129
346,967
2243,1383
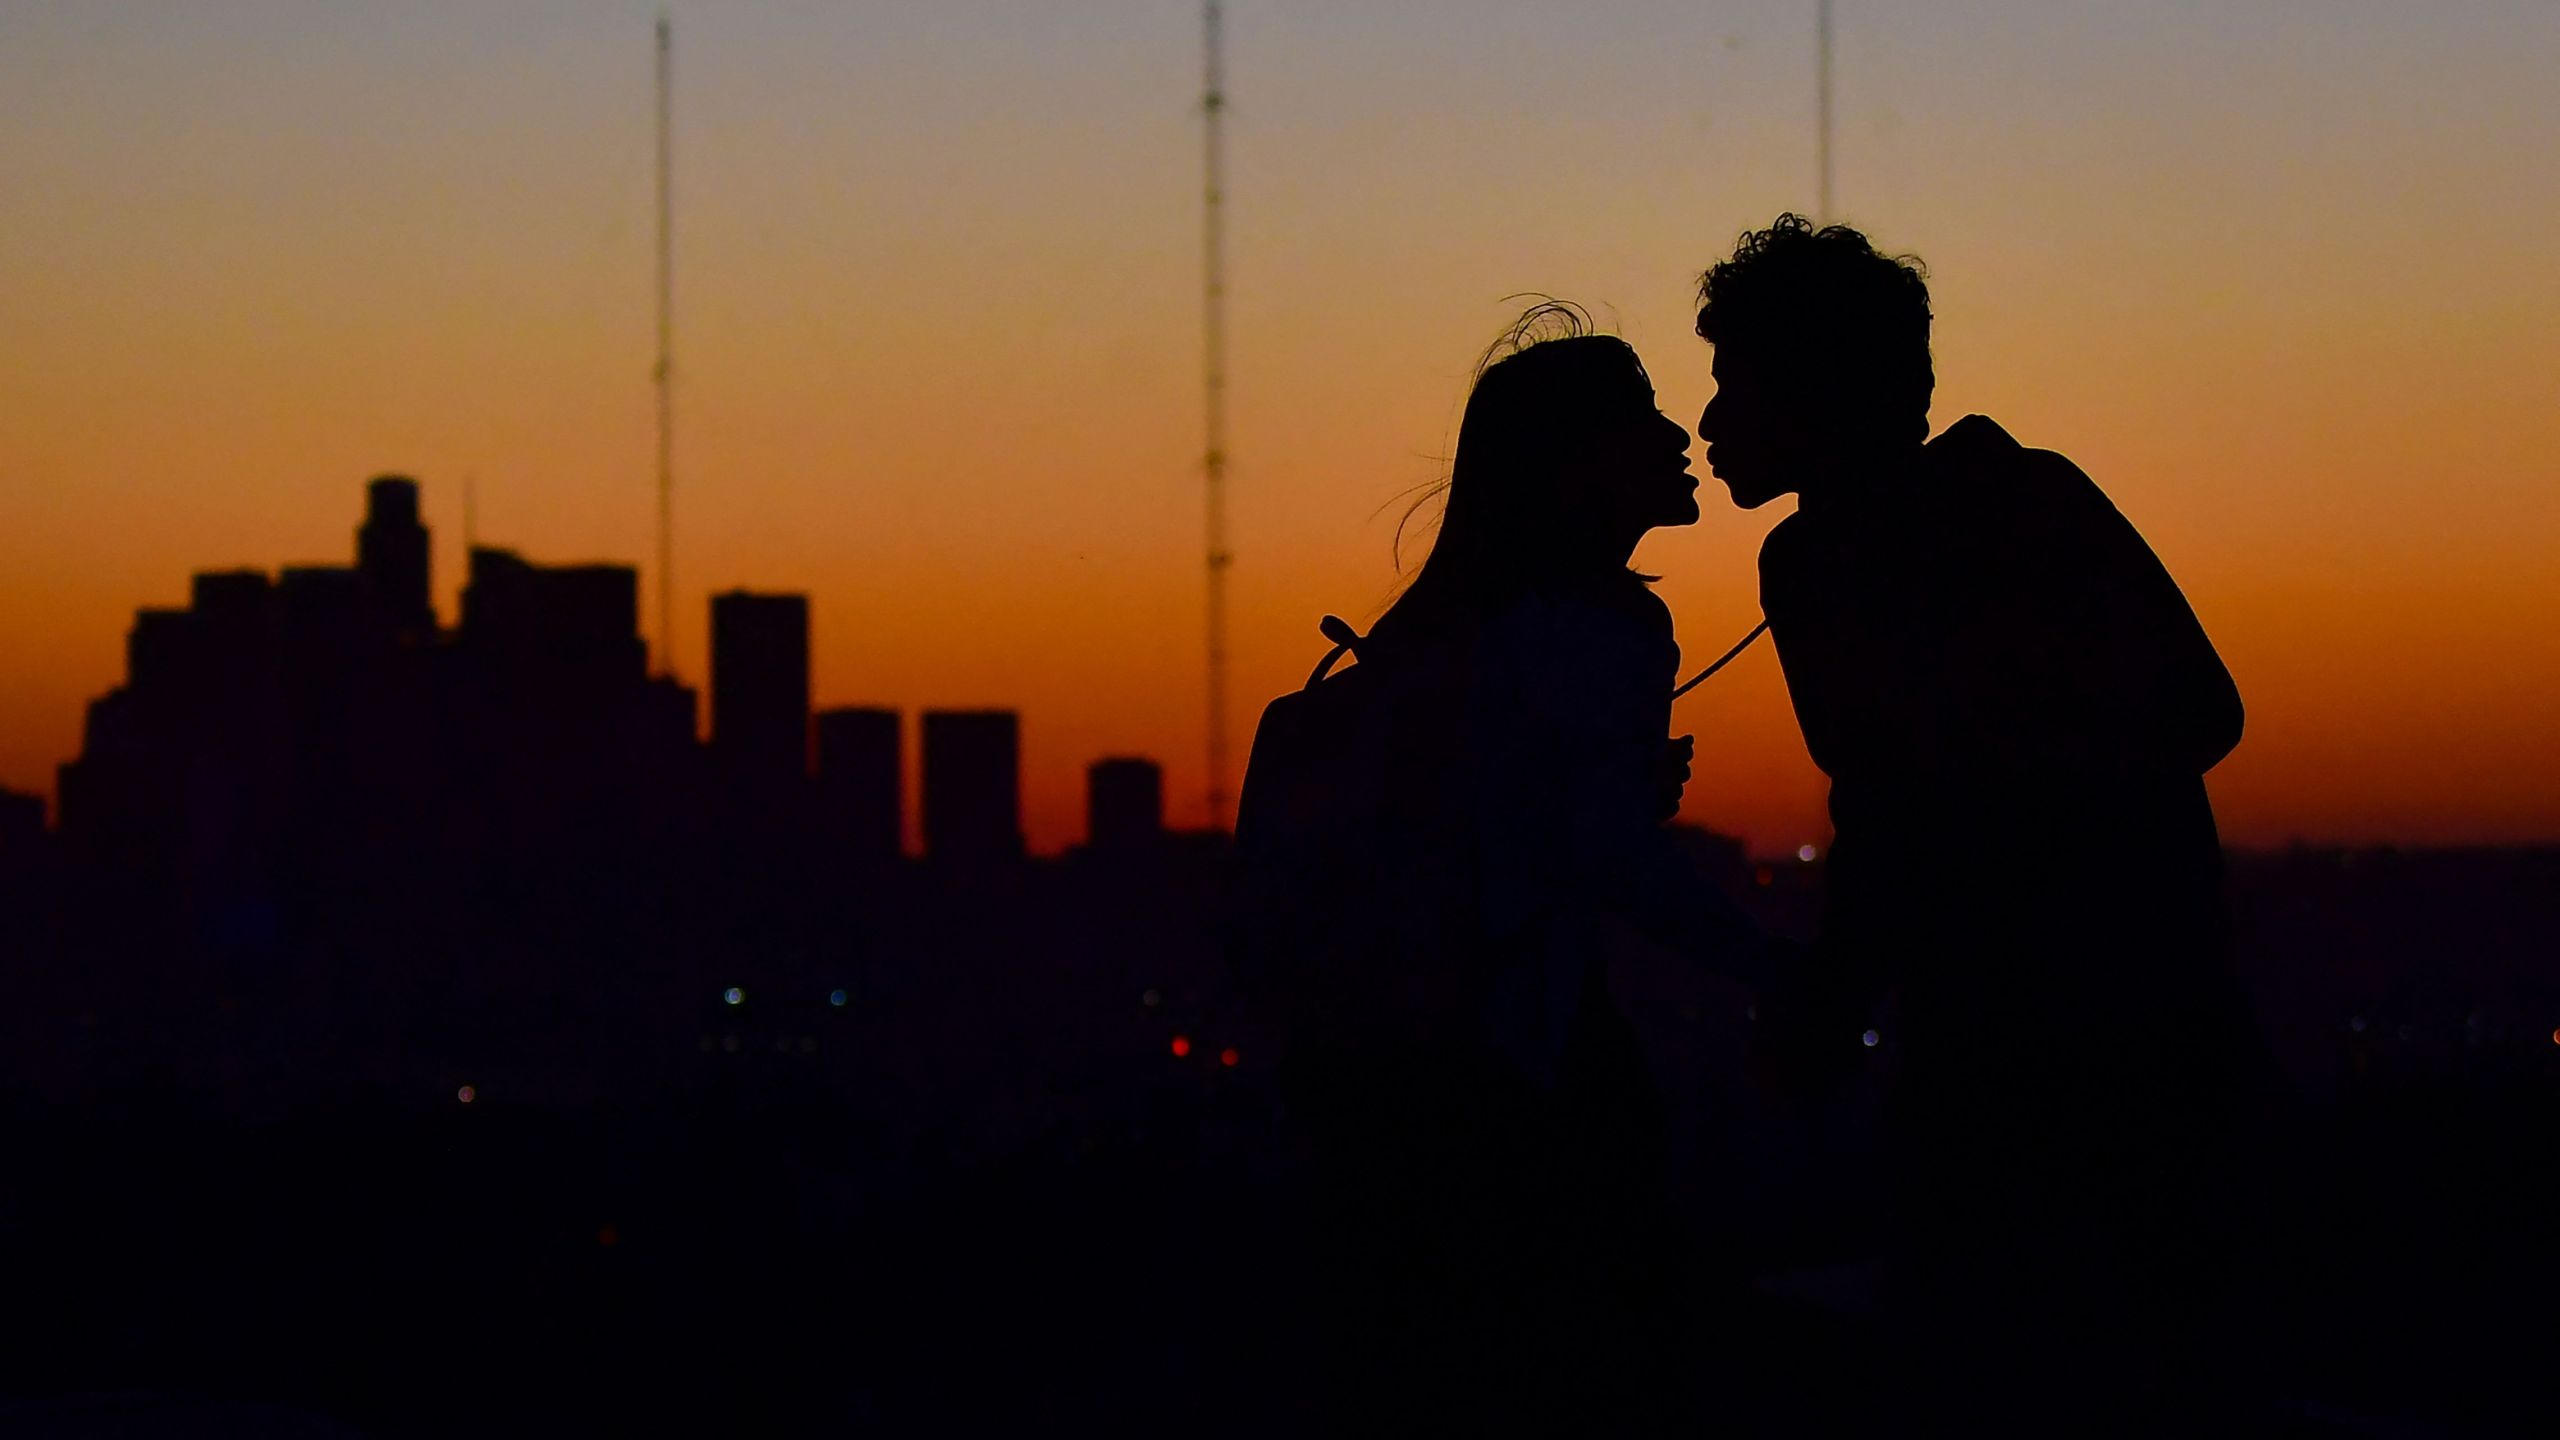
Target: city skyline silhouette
x,y
608,822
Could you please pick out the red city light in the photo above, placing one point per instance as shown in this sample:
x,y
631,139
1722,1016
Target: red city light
x,y
1181,1046
1228,1057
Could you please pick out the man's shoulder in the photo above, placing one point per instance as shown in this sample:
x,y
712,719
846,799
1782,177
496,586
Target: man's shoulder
x,y
1976,454
1784,542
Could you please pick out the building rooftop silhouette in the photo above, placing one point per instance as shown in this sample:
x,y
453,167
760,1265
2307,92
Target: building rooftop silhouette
x,y
861,787
760,687
1124,804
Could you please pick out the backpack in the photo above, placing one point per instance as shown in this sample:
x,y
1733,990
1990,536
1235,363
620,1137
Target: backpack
x,y
1352,897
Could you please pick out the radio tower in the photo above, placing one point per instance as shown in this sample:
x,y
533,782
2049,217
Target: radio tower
x,y
663,372
1822,103
1213,375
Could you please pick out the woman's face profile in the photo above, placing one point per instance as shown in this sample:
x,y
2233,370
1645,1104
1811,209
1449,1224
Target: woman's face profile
x,y
1643,460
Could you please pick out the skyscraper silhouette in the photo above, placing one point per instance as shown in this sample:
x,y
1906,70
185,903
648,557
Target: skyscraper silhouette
x,y
760,687
392,554
555,680
1124,804
859,794
972,785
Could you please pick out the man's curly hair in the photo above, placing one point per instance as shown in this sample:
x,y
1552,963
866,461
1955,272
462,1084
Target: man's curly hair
x,y
1824,302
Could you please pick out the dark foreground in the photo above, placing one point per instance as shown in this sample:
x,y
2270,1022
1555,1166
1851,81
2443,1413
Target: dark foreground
x,y
986,1190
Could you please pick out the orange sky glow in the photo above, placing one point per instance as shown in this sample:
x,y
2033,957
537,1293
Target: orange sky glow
x,y
2285,292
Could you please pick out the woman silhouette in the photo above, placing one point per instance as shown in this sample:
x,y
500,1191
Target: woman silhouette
x,y
1485,1141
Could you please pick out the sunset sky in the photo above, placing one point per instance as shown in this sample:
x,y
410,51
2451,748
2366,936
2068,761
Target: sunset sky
x,y
2281,277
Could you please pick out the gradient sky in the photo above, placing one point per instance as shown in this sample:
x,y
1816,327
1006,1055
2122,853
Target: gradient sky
x,y
2279,276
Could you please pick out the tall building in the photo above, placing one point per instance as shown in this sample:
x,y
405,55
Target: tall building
x,y
972,785
1124,804
391,553
760,686
859,789
583,618
554,678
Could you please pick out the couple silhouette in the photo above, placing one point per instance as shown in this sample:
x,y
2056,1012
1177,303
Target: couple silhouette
x,y
2015,707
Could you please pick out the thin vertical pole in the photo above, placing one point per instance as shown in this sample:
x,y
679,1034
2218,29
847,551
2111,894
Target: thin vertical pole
x,y
1214,399
1822,100
664,373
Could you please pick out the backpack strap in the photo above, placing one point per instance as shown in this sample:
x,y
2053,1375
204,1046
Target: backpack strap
x,y
1346,641
1756,632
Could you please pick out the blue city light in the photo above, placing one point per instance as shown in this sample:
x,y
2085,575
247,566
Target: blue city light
x,y
733,996
836,998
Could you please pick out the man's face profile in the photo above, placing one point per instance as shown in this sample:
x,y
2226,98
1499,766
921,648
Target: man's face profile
x,y
1758,443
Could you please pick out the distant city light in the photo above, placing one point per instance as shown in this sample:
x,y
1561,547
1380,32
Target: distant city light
x,y
733,996
1229,1057
2555,1037
1765,876
466,1094
1151,999
1805,853
2356,1024
607,1236
1870,1039
1181,1046
836,998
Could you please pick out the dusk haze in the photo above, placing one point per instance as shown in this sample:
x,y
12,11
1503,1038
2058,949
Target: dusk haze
x,y
2275,276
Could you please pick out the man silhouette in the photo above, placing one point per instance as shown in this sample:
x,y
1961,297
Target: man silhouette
x,y
2016,707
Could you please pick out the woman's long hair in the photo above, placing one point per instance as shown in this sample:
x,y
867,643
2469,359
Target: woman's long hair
x,y
1509,522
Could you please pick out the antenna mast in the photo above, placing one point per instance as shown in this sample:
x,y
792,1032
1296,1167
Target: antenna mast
x,y
663,371
1822,100
1213,374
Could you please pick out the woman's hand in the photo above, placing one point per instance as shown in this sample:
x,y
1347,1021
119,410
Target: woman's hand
x,y
1671,776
